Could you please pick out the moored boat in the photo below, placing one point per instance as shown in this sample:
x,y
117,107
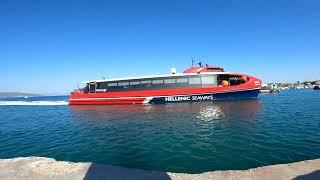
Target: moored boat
x,y
198,83
267,90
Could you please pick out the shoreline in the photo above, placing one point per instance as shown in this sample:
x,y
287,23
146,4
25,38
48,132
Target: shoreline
x,y
48,168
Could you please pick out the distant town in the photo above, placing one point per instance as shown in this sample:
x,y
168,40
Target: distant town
x,y
296,85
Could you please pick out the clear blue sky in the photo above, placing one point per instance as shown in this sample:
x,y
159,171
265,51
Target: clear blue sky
x,y
50,46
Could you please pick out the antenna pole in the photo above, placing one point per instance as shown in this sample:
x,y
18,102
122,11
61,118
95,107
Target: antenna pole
x,y
102,77
192,61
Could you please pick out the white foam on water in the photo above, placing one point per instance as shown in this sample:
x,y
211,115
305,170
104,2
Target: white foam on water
x,y
210,113
33,103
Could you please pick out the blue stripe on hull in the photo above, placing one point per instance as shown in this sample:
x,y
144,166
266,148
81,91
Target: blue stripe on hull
x,y
207,97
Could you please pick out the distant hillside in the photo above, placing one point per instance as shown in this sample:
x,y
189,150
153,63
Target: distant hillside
x,y
16,94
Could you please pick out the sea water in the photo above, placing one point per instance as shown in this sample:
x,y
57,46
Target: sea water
x,y
177,137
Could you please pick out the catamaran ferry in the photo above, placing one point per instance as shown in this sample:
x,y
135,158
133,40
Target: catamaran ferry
x,y
197,83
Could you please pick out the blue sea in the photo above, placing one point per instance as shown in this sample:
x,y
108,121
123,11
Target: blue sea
x,y
180,137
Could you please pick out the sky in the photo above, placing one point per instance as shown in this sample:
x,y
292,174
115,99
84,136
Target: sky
x,y
51,46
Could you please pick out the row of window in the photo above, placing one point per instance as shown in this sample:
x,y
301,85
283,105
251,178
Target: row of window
x,y
170,81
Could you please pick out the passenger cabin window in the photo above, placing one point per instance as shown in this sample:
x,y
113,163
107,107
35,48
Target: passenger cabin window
x,y
123,83
112,84
158,81
146,82
134,83
195,80
207,80
182,80
157,84
170,81
102,85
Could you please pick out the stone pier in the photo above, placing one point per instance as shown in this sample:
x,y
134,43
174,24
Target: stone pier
x,y
47,168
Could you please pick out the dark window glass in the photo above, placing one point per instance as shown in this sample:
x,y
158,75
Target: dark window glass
x,y
123,83
195,80
134,82
99,85
134,85
207,80
146,82
102,85
157,81
182,80
170,81
112,84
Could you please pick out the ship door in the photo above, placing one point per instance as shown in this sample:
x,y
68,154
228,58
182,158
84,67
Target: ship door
x,y
92,87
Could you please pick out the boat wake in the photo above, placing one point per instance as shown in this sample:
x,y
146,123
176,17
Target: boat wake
x,y
33,103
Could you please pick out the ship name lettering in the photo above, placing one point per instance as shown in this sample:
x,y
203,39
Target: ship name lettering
x,y
177,98
197,98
